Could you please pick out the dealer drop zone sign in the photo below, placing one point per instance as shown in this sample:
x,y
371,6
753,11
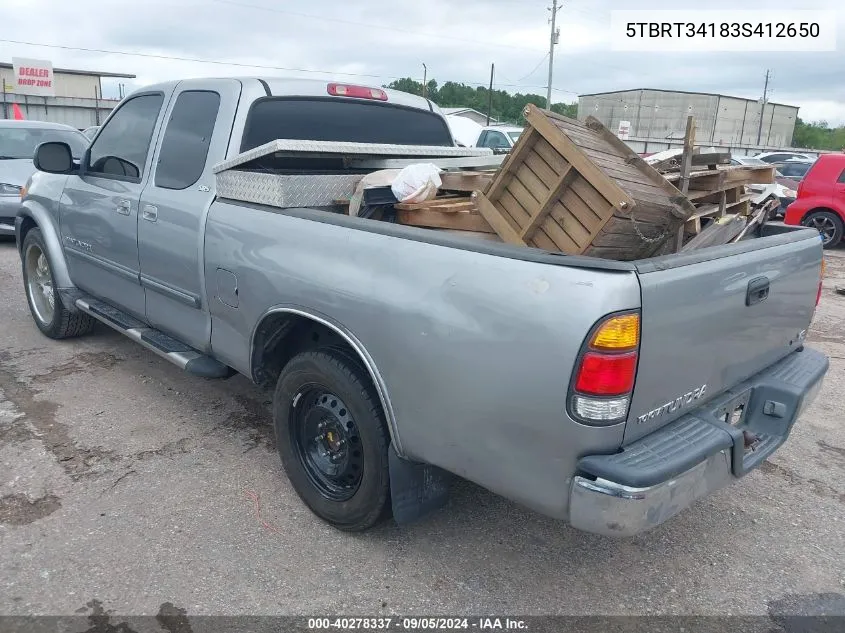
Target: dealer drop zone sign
x,y
33,77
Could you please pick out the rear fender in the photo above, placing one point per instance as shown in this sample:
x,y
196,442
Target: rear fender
x,y
33,215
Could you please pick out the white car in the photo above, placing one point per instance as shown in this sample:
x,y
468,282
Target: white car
x,y
499,138
779,157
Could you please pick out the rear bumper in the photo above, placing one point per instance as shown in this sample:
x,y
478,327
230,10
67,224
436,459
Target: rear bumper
x,y
661,474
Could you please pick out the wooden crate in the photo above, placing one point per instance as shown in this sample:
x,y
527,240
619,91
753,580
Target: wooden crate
x,y
576,188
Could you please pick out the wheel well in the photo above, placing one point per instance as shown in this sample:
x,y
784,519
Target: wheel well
x,y
27,224
281,336
819,209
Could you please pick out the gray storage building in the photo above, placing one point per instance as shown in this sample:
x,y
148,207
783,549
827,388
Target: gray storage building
x,y
720,119
78,102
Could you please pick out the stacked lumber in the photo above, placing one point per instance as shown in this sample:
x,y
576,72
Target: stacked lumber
x,y
721,191
574,187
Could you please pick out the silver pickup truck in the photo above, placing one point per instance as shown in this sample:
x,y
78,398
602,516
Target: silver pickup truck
x,y
608,394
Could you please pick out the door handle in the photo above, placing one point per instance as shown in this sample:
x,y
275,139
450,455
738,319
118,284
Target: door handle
x,y
758,291
150,213
124,207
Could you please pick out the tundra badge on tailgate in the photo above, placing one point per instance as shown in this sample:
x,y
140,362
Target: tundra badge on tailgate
x,y
672,406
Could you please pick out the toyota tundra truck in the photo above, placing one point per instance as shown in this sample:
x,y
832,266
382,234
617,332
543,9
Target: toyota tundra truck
x,y
608,394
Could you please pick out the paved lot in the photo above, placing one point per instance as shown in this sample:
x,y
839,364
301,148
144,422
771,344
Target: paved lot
x,y
126,482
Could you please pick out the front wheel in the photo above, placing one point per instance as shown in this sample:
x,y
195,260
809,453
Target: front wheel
x,y
45,304
332,438
828,224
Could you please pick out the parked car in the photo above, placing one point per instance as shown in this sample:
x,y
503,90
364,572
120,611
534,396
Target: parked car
x,y
499,138
91,132
610,394
779,157
821,199
18,140
794,169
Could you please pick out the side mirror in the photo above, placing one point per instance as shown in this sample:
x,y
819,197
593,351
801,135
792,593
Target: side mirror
x,y
54,158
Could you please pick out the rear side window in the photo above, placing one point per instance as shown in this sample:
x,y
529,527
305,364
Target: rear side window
x,y
123,144
841,177
184,148
342,120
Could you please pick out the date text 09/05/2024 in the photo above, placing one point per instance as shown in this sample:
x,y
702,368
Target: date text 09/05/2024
x,y
722,29
417,624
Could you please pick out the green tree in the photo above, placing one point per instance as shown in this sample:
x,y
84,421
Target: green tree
x,y
506,107
818,135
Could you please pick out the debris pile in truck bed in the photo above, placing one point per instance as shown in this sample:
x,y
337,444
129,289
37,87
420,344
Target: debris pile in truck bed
x,y
574,187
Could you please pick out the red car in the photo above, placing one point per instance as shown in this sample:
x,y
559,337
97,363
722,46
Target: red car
x,y
821,199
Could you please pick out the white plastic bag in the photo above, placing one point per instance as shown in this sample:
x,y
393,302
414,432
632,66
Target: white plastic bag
x,y
417,182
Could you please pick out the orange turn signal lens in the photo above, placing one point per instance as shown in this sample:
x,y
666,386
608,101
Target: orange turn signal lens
x,y
618,333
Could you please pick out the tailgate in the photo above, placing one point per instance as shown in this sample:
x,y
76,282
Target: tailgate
x,y
713,318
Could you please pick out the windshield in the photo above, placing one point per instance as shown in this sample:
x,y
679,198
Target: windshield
x,y
515,135
20,142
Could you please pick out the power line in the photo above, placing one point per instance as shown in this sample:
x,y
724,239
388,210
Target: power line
x,y
323,18
535,68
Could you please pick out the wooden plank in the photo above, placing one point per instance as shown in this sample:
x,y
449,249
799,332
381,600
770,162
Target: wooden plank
x,y
723,201
580,161
532,183
442,203
592,198
715,182
465,180
541,167
523,196
622,171
750,175
551,199
570,224
582,211
548,153
686,165
682,207
496,219
456,221
514,158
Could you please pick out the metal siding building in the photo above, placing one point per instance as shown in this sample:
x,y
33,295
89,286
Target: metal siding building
x,y
78,101
720,120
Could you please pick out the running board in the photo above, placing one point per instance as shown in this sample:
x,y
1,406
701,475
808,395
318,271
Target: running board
x,y
181,355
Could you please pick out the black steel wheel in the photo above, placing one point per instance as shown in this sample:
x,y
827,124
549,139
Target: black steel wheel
x,y
327,442
828,224
332,438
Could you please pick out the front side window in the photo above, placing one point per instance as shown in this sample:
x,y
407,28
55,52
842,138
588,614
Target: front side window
x,y
495,140
187,137
123,144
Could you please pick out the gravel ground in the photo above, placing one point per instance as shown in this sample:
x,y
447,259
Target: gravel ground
x,y
129,486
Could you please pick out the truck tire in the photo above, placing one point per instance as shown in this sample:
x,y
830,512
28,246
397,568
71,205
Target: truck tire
x,y
45,304
828,224
332,438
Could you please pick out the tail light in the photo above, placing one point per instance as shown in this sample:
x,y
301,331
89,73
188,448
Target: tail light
x,y
606,370
360,92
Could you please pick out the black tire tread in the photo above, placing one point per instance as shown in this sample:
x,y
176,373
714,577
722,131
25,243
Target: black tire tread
x,y
840,226
347,364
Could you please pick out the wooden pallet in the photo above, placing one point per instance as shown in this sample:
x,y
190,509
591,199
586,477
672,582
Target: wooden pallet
x,y
575,187
443,212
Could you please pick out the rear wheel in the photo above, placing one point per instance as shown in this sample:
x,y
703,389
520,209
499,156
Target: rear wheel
x,y
828,224
332,438
45,304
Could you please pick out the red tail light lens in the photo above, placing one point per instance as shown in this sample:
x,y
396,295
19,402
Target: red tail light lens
x,y
605,371
359,92
606,374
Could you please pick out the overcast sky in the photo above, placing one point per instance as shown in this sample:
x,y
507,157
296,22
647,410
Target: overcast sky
x,y
375,41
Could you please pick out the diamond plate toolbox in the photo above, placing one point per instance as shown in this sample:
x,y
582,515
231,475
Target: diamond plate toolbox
x,y
279,190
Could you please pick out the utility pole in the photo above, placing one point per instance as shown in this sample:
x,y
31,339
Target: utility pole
x,y
490,93
763,107
425,80
553,39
